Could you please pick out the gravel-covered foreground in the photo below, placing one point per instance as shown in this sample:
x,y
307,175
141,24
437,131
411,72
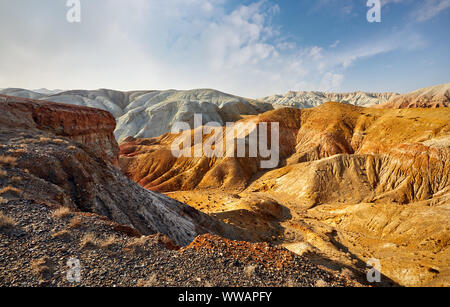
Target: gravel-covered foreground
x,y
35,252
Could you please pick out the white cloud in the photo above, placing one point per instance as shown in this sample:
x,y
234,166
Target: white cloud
x,y
169,44
331,81
385,2
423,10
429,9
335,44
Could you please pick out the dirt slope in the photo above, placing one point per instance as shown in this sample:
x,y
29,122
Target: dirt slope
x,y
352,184
430,97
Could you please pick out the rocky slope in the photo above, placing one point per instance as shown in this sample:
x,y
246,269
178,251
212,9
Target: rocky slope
x,y
314,99
65,155
35,251
430,97
348,179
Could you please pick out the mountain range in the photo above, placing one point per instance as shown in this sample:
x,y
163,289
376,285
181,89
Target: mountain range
x,y
353,183
152,113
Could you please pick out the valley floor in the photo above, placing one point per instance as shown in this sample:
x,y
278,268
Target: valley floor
x,y
341,237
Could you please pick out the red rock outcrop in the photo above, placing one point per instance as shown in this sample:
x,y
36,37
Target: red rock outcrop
x,y
88,126
62,155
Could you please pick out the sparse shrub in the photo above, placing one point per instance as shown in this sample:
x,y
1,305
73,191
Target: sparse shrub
x,y
89,241
8,160
62,212
16,178
6,222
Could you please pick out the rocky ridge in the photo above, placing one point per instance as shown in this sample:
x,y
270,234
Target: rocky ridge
x,y
313,99
145,114
431,97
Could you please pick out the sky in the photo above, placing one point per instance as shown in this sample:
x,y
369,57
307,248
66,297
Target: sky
x,y
247,48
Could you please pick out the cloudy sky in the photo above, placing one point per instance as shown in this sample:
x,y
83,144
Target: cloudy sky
x,y
248,48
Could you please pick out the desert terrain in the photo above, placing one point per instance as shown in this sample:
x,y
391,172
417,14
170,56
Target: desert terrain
x,y
353,184
363,178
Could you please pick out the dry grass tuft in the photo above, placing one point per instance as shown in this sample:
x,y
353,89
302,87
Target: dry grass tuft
x,y
10,189
42,267
321,283
150,282
137,246
16,179
250,270
59,141
45,139
290,283
8,160
62,235
18,150
110,242
6,222
89,241
75,222
62,212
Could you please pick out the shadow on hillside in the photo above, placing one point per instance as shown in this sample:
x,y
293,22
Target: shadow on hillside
x,y
256,227
359,273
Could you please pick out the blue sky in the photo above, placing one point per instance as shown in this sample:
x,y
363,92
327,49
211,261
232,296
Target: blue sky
x,y
248,48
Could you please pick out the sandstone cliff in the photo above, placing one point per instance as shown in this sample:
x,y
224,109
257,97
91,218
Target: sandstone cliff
x,y
93,128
